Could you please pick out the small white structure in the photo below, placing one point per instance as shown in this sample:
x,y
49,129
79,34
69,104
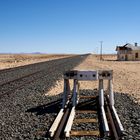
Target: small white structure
x,y
128,52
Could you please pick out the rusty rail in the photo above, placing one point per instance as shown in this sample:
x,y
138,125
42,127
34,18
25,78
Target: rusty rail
x,y
59,132
115,132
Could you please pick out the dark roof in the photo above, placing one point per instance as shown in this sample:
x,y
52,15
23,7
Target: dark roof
x,y
129,46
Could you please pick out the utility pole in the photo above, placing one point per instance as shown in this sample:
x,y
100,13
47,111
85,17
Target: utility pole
x,y
101,43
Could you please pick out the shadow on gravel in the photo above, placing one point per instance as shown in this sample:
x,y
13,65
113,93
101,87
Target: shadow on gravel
x,y
89,104
52,107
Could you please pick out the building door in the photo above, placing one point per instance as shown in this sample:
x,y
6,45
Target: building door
x,y
126,57
136,55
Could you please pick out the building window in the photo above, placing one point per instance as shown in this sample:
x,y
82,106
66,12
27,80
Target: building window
x,y
136,55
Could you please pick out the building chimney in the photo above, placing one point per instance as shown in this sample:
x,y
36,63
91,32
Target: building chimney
x,y
136,44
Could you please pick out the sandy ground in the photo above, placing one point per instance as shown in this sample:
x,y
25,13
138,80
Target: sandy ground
x,y
126,76
15,60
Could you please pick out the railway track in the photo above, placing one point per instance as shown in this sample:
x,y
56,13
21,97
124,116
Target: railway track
x,y
38,64
91,117
10,74
87,121
9,86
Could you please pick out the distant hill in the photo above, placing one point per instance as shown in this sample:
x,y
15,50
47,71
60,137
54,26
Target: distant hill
x,y
36,53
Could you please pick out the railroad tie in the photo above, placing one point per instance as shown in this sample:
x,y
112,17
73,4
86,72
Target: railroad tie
x,y
85,121
86,111
85,133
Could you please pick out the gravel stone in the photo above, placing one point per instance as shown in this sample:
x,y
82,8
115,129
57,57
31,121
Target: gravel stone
x,y
27,113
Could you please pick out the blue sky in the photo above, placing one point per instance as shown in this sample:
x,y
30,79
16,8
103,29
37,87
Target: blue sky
x,y
67,26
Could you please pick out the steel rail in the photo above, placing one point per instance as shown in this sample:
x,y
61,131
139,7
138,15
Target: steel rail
x,y
13,80
59,131
113,130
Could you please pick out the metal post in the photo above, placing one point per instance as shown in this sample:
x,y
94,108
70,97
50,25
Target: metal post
x,y
101,93
74,98
78,86
69,122
64,94
67,89
111,94
101,102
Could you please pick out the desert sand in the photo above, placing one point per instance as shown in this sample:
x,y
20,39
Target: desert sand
x,y
15,60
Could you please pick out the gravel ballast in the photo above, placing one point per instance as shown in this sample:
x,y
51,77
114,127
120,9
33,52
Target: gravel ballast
x,y
27,113
129,114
